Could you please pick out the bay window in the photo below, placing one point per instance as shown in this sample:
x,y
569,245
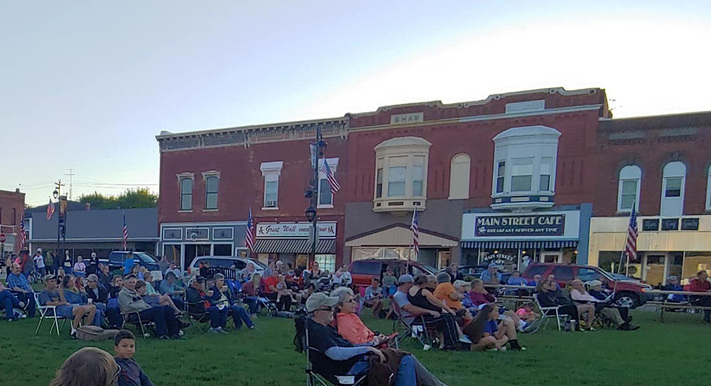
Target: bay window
x,y
401,174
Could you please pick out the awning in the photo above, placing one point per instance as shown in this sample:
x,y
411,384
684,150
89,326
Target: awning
x,y
509,244
324,246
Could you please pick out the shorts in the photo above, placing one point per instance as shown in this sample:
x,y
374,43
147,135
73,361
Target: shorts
x,y
65,311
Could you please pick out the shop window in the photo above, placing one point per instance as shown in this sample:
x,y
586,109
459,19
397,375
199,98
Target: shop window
x,y
172,252
222,250
695,262
212,181
326,262
673,189
271,172
459,177
563,273
524,166
628,190
325,197
401,174
186,191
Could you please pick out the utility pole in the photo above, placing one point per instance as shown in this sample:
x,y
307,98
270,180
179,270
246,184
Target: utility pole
x,y
71,174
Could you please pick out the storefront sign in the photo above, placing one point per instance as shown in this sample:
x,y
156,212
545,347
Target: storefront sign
x,y
500,259
301,230
407,118
520,225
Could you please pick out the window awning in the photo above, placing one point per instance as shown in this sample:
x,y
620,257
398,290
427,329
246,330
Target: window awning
x,y
323,246
504,244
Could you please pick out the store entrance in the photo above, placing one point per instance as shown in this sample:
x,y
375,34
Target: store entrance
x,y
654,270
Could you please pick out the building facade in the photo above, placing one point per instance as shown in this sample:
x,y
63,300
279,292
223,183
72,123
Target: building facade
x,y
210,180
660,166
12,208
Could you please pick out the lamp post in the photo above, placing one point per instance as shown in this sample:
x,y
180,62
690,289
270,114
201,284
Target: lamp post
x,y
55,194
317,149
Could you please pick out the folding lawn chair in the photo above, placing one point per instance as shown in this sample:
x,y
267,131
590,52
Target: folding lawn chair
x,y
315,377
48,312
547,313
200,319
416,329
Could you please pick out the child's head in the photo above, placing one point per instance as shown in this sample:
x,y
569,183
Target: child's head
x,y
125,344
528,307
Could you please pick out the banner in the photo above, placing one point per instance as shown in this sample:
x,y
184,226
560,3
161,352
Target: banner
x,y
300,230
520,225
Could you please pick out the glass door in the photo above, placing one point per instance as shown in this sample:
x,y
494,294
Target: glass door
x,y
654,271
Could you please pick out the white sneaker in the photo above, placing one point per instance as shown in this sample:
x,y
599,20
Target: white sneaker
x,y
503,349
464,339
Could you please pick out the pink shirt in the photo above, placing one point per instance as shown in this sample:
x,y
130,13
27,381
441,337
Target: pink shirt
x,y
522,313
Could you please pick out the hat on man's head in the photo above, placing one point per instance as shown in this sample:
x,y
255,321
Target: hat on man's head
x,y
407,278
199,279
673,278
48,277
318,300
594,283
493,265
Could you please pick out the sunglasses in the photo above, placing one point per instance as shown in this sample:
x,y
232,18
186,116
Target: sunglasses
x,y
329,309
351,300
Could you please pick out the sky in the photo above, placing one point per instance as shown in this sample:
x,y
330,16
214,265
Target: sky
x,y
86,85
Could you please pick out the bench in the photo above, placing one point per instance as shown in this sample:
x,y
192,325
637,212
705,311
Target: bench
x,y
667,305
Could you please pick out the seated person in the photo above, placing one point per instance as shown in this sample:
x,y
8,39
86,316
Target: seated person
x,y
250,290
334,355
18,284
516,279
489,330
491,275
174,270
51,296
306,292
526,313
271,292
221,296
245,275
116,286
79,267
535,282
199,306
9,302
463,288
580,295
446,292
442,317
75,296
374,297
104,275
171,287
283,289
551,296
607,296
342,277
673,285
155,299
130,372
701,284
479,295
99,295
389,282
163,316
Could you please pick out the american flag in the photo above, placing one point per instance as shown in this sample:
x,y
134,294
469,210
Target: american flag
x,y
125,232
631,246
325,169
50,209
414,227
22,234
249,232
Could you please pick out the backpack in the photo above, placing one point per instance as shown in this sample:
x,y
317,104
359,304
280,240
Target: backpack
x,y
95,333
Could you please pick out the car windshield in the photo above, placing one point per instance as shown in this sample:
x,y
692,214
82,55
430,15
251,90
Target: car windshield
x,y
258,263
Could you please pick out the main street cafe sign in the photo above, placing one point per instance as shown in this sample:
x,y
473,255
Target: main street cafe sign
x,y
520,225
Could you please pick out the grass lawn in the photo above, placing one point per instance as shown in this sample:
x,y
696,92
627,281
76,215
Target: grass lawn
x,y
659,354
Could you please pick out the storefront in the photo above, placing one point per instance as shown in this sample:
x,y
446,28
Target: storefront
x,y
514,240
291,243
679,246
183,242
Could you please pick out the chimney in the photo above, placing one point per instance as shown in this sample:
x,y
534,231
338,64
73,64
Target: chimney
x,y
17,190
87,206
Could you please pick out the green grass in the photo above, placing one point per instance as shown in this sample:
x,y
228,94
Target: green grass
x,y
659,353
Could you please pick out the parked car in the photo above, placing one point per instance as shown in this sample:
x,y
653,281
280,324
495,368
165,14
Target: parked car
x,y
225,262
627,293
363,271
117,258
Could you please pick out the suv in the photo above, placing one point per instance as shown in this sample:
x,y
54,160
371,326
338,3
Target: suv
x,y
363,271
225,262
116,259
627,293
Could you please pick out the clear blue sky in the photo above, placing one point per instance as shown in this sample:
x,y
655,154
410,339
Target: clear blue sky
x,y
88,84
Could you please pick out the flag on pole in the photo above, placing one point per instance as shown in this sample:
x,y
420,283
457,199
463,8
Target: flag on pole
x,y
414,227
50,210
125,232
325,169
249,232
22,234
631,246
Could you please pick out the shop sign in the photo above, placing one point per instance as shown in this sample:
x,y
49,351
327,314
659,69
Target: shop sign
x,y
300,230
500,259
520,225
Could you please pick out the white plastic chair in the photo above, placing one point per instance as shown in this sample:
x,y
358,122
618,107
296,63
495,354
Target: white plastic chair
x,y
549,312
48,312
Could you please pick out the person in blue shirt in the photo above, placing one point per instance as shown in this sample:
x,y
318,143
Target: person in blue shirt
x,y
673,285
491,275
18,284
516,279
128,263
75,297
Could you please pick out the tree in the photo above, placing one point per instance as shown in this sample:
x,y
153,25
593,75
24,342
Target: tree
x,y
98,201
130,199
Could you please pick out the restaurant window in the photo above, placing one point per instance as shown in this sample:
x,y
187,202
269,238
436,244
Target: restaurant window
x,y
628,189
271,172
673,189
326,262
459,177
212,181
401,174
185,183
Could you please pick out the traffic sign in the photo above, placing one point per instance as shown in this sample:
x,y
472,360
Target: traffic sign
x,y
2,237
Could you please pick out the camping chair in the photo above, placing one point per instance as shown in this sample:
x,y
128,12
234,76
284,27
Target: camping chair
x,y
313,377
134,318
48,312
417,329
201,319
547,313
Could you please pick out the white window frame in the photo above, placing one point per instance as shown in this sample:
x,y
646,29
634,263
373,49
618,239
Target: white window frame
x,y
333,165
271,171
181,177
401,152
629,173
673,169
205,176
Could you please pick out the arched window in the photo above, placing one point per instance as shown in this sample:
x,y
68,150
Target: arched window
x,y
628,190
673,189
459,177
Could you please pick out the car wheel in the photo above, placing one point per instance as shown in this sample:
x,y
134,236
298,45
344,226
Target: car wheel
x,y
627,300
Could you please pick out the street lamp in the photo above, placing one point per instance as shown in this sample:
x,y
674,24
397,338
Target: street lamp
x,y
311,213
317,149
55,194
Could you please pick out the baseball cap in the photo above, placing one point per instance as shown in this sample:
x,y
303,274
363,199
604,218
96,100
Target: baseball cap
x,y
318,300
493,265
48,277
405,279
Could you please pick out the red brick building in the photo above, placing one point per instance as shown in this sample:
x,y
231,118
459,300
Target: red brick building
x,y
12,209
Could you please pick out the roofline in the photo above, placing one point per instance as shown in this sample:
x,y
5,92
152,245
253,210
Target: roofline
x,y
401,225
656,116
198,133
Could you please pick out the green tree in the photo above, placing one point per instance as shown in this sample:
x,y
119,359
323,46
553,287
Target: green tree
x,y
99,200
138,198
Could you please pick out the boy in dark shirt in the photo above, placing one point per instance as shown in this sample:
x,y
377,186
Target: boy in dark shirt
x,y
130,372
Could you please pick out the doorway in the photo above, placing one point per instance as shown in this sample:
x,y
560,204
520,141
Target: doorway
x,y
194,250
654,269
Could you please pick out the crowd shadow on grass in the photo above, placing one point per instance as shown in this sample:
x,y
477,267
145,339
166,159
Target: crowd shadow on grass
x,y
658,354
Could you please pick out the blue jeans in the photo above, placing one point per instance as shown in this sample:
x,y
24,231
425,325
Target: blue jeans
x,y
218,318
9,301
239,315
28,298
253,303
406,372
164,318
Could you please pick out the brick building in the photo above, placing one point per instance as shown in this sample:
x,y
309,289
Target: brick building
x,y
12,209
659,165
209,180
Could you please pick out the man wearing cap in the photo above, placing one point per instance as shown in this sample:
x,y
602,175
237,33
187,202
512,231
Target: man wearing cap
x,y
603,306
164,317
491,275
199,304
337,356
